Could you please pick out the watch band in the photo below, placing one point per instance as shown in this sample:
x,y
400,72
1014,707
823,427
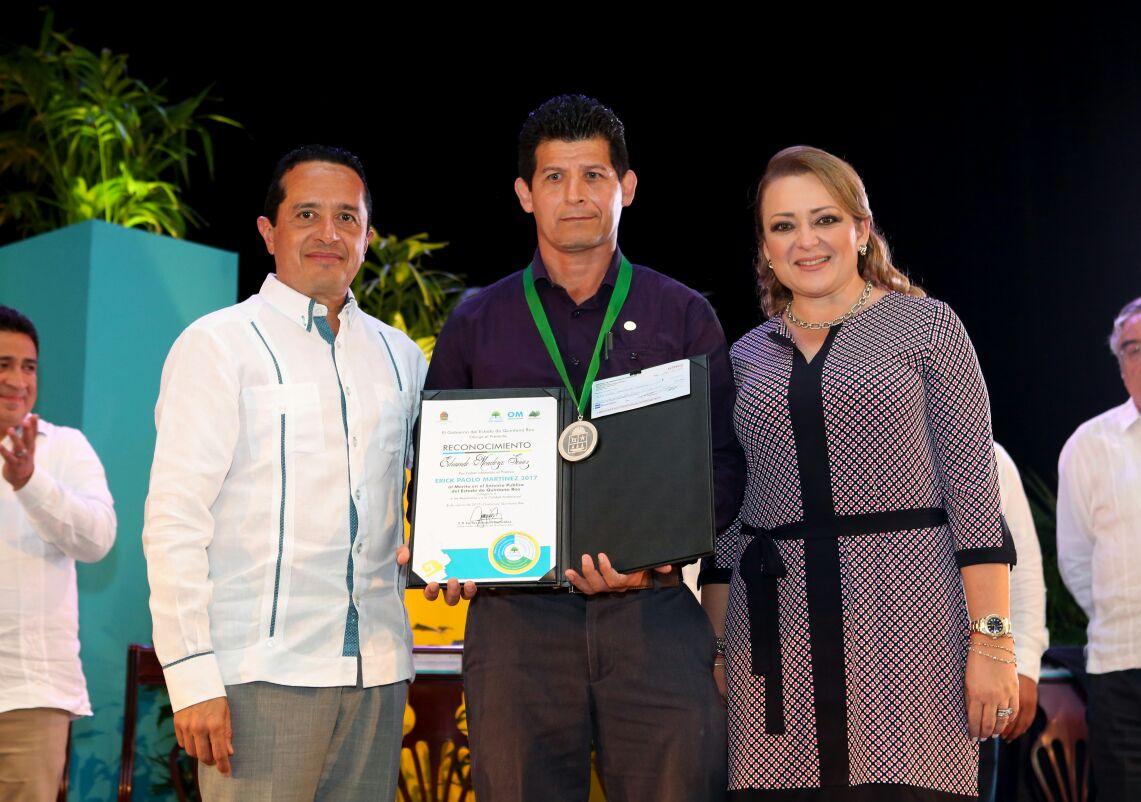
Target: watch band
x,y
993,626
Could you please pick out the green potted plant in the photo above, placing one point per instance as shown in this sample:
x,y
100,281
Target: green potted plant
x,y
80,139
394,286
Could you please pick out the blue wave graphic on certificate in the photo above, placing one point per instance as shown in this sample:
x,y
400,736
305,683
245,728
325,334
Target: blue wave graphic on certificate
x,y
513,554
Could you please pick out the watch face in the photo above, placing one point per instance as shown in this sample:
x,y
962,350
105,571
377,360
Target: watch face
x,y
994,625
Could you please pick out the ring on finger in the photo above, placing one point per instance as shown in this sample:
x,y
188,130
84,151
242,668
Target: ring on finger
x,y
1004,712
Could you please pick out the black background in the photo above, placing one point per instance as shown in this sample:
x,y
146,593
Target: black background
x,y
1001,155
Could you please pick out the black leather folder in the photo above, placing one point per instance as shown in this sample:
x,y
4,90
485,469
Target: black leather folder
x,y
645,496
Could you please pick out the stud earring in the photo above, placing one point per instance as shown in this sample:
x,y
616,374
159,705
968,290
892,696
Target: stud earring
x,y
864,249
771,264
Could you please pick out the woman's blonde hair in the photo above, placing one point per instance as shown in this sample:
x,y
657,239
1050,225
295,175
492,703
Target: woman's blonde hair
x,y
843,184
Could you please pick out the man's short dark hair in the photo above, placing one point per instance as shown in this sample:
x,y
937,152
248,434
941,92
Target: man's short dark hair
x,y
571,118
12,320
311,153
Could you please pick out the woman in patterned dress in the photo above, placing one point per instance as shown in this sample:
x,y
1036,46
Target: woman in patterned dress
x,y
870,534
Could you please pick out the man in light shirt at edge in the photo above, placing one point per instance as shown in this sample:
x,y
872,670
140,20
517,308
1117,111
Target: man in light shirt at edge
x,y
1027,592
55,508
275,508
1099,537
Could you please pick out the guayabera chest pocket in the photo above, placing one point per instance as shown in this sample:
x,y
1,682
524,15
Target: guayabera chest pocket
x,y
285,416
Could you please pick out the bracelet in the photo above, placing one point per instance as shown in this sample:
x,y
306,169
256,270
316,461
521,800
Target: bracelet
x,y
718,647
993,646
992,657
984,638
718,664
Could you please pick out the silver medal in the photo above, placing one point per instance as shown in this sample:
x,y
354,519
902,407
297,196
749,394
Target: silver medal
x,y
578,441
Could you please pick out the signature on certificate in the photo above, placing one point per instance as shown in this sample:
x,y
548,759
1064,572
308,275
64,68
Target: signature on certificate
x,y
486,516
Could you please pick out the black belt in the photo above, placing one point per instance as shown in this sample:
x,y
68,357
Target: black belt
x,y
762,567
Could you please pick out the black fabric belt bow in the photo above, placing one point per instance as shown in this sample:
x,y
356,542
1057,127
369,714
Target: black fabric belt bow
x,y
762,569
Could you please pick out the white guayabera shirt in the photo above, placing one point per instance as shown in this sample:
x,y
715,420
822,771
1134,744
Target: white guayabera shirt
x,y
275,505
63,514
1099,534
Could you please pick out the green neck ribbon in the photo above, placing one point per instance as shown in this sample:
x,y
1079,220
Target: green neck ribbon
x,y
617,299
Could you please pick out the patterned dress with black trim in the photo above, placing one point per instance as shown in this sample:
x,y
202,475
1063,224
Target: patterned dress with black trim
x,y
871,482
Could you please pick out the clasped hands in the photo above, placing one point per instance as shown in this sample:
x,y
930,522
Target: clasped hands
x,y
20,461
592,580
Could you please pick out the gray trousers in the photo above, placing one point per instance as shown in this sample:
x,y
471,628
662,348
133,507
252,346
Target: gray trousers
x,y
547,675
295,744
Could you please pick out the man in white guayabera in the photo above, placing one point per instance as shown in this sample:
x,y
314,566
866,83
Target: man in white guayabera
x,y
55,508
275,509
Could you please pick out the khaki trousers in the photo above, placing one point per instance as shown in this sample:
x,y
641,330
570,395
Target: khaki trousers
x,y
33,745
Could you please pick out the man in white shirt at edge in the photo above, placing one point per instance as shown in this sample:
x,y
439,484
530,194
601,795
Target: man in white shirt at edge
x,y
1027,616
1099,540
55,508
1027,593
275,508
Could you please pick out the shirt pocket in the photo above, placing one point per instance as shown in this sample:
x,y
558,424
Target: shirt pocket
x,y
285,416
634,358
393,424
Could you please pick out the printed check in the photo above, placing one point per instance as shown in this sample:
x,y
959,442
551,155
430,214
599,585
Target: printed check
x,y
651,386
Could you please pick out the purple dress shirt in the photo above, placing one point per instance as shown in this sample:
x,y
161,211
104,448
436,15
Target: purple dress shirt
x,y
490,341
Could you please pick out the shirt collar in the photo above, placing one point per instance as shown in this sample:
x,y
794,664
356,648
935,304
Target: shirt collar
x,y
300,308
1127,415
539,270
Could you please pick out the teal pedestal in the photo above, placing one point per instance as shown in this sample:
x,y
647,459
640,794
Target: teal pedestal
x,y
108,303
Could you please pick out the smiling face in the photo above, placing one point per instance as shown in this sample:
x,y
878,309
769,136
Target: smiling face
x,y
576,195
18,364
811,241
319,238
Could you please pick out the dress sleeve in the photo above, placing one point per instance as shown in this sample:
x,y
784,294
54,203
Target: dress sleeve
x,y
958,420
718,569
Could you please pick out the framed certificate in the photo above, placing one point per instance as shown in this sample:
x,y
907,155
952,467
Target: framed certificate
x,y
488,476
496,503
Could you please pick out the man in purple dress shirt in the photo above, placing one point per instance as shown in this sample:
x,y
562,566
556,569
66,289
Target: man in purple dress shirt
x,y
625,663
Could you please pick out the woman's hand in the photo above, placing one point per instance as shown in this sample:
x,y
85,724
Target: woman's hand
x,y
991,686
